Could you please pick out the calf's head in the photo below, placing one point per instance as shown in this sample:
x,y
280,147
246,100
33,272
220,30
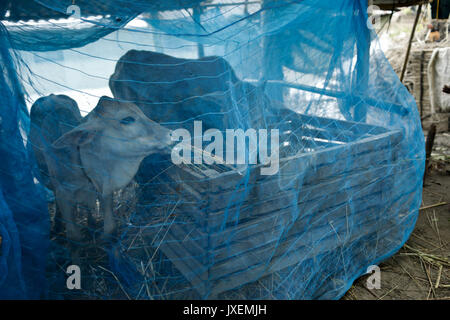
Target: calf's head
x,y
112,142
118,129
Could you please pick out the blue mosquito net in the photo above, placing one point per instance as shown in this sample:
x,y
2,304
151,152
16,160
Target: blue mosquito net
x,y
200,149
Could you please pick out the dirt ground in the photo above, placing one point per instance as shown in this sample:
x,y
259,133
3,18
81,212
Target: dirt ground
x,y
421,269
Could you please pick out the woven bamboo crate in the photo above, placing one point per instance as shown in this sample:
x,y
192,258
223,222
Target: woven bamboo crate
x,y
233,228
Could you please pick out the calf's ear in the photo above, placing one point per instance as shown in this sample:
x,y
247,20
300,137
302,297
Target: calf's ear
x,y
79,136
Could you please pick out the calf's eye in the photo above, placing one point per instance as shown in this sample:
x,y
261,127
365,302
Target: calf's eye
x,y
127,120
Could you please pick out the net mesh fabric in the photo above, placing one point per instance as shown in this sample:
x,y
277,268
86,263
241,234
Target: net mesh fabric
x,y
351,150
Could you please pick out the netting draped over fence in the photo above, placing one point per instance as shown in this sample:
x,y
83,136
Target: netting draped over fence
x,y
23,214
126,162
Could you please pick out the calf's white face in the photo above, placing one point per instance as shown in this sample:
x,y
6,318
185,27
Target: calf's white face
x,y
127,133
113,141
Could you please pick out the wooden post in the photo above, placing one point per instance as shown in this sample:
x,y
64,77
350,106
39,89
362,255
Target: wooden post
x,y
411,37
197,14
156,37
362,72
246,8
272,68
429,147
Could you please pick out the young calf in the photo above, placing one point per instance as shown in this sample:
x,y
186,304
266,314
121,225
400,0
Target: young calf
x,y
50,118
103,154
